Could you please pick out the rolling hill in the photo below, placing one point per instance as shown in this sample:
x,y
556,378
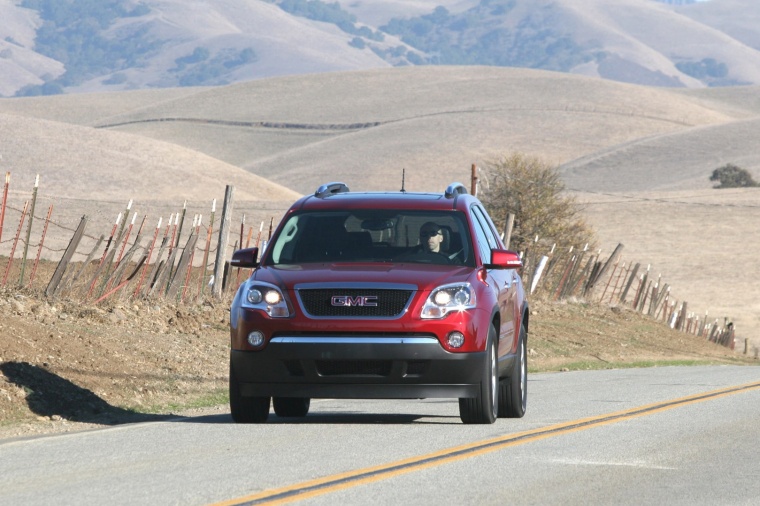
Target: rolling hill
x,y
49,47
638,157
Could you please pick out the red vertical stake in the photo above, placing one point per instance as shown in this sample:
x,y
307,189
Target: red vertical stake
x,y
15,242
105,253
126,238
242,232
124,243
201,283
147,261
197,227
174,232
137,239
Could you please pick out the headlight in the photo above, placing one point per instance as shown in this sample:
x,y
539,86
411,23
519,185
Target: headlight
x,y
267,298
254,296
273,297
447,298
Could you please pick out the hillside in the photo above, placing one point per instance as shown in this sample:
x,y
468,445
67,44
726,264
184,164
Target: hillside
x,y
723,16
364,127
50,47
640,157
83,171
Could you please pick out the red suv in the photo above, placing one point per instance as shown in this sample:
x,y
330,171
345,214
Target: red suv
x,y
380,295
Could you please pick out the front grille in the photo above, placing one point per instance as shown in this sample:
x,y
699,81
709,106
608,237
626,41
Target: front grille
x,y
319,302
416,367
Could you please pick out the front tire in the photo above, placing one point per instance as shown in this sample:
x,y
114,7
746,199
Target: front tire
x,y
483,409
513,390
294,407
246,409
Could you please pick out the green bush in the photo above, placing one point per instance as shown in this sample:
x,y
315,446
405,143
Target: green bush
x,y
707,67
731,176
358,43
533,191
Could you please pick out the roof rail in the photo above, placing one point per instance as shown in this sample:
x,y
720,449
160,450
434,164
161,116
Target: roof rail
x,y
455,189
330,189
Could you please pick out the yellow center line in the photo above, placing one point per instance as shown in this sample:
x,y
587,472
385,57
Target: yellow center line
x,y
336,482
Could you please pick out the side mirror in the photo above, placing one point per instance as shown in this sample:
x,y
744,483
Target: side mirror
x,y
505,259
247,257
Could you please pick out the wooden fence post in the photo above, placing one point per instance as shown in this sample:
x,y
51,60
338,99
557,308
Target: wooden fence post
x,y
681,322
29,230
52,287
224,238
39,249
621,276
624,294
179,278
4,202
613,259
653,299
563,280
508,227
640,289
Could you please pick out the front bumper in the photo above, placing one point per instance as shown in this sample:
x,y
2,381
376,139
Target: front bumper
x,y
408,367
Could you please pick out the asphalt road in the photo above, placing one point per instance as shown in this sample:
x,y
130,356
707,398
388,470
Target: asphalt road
x,y
674,435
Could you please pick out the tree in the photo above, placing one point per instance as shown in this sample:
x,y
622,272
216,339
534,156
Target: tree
x,y
533,191
731,176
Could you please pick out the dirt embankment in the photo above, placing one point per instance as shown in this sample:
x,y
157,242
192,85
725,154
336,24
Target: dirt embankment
x,y
66,366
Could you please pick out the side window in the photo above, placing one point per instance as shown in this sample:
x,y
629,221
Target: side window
x,y
482,239
487,225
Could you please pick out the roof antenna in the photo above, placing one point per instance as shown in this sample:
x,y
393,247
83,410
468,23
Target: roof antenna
x,y
403,177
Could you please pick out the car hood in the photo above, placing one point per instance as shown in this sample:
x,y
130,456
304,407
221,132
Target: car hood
x,y
422,276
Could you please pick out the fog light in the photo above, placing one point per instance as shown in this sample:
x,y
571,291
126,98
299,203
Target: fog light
x,y
456,339
256,338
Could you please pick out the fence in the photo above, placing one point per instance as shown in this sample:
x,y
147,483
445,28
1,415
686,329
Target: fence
x,y
579,273
178,259
132,262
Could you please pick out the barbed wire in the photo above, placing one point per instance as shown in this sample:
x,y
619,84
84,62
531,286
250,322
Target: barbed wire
x,y
169,230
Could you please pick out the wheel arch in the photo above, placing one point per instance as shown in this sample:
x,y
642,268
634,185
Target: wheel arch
x,y
496,319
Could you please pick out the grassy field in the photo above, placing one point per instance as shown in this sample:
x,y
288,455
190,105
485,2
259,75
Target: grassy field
x,y
639,157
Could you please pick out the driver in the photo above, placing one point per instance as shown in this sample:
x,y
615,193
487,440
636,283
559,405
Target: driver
x,y
431,237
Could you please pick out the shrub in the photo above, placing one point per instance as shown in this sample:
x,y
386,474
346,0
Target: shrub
x,y
731,176
358,43
533,191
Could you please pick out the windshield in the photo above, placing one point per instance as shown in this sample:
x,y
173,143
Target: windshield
x,y
371,235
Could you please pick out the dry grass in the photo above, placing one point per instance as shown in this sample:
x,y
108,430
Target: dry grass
x,y
652,148
702,242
